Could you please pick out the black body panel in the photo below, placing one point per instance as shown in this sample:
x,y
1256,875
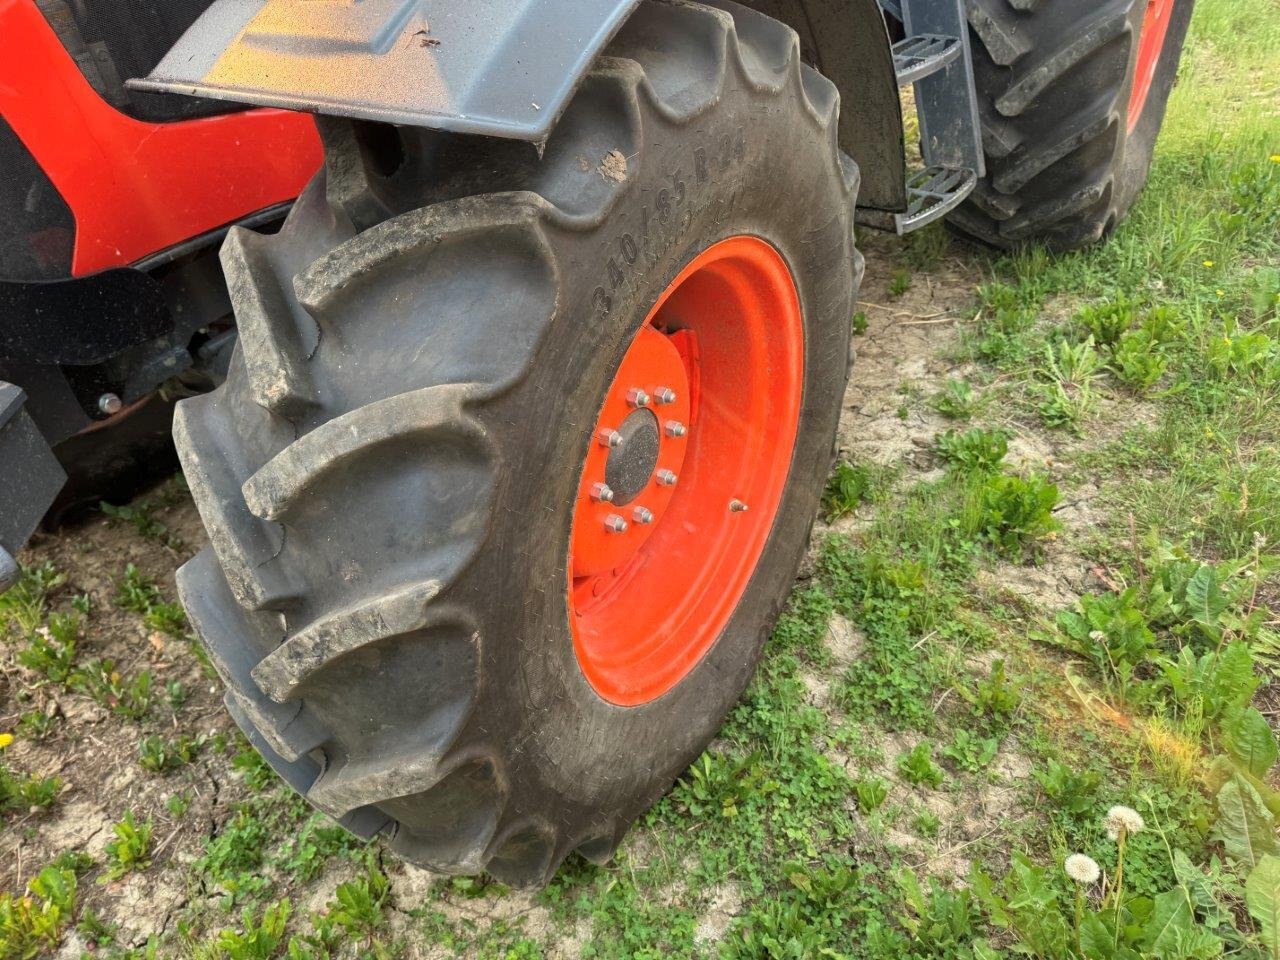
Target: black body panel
x,y
112,41
37,230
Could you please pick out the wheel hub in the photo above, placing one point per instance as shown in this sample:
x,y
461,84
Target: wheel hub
x,y
630,465
629,451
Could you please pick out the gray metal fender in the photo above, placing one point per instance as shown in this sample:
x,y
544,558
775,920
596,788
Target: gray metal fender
x,y
503,68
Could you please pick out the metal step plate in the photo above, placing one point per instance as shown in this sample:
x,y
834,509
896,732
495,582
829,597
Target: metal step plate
x,y
933,193
917,57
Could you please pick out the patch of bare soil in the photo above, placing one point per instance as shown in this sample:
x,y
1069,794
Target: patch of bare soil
x,y
93,751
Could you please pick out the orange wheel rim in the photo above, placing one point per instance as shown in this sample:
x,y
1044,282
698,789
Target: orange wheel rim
x,y
1155,29
686,469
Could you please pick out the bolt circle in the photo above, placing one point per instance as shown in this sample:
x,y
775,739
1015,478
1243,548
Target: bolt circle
x,y
609,437
674,428
737,506
667,478
615,524
642,515
637,397
664,395
601,493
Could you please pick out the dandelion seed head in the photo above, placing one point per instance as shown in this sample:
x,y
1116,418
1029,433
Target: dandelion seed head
x,y
1082,869
1123,821
1097,636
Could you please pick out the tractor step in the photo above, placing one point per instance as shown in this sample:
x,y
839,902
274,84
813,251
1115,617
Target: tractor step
x,y
920,56
934,57
932,193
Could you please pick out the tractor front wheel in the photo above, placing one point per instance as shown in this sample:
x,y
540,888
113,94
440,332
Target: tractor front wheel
x,y
519,451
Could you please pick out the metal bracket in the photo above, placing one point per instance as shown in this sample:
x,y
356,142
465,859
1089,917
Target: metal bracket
x,y
30,477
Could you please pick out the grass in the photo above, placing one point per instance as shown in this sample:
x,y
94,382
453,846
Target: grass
x,y
911,791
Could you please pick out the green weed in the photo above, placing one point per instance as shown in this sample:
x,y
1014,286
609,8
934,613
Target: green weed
x,y
900,283
25,603
128,697
969,751
1016,512
33,925
917,766
847,487
1138,362
259,938
140,515
138,593
1067,374
956,401
131,848
160,755
51,649
20,793
871,793
973,450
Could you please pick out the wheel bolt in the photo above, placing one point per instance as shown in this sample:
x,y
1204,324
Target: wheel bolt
x,y
601,493
664,395
667,478
615,524
642,515
675,428
637,397
737,506
609,438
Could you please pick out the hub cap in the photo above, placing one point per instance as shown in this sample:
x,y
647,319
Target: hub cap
x,y
1155,28
693,445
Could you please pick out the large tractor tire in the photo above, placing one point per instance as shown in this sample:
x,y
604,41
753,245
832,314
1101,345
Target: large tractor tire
x,y
1072,95
506,488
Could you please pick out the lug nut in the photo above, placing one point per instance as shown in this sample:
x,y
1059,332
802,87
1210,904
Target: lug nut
x,y
110,404
642,515
615,524
667,478
737,506
637,397
609,438
601,493
664,395
675,428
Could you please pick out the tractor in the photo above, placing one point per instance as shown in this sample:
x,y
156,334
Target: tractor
x,y
510,340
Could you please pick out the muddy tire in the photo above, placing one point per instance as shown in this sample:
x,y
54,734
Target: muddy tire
x,y
1068,146
389,474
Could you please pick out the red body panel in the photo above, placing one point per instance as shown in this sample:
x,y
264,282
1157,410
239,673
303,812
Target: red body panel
x,y
134,187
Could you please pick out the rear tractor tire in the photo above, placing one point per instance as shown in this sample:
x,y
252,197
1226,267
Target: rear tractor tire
x,y
1071,95
519,452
